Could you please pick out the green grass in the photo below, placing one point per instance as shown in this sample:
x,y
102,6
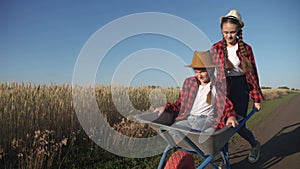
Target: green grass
x,y
268,107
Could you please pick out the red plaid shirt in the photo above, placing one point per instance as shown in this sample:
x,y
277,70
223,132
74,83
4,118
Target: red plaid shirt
x,y
218,56
186,99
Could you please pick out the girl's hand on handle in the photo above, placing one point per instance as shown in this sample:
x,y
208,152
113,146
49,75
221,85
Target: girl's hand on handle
x,y
232,121
160,110
257,106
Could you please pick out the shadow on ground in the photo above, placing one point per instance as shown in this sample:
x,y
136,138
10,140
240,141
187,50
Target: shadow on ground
x,y
286,142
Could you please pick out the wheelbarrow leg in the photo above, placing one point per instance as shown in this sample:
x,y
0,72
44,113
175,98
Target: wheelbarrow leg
x,y
163,157
225,156
208,161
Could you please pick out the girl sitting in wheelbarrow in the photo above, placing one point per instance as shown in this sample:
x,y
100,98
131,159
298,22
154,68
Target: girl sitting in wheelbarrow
x,y
200,106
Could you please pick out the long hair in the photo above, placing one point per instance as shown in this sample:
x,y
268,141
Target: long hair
x,y
245,65
210,72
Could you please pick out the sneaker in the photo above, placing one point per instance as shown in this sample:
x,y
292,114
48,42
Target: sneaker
x,y
254,153
222,165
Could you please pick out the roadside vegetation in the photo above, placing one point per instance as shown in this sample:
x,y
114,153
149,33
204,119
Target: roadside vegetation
x,y
39,128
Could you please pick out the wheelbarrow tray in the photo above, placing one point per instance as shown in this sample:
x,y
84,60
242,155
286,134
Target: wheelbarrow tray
x,y
208,143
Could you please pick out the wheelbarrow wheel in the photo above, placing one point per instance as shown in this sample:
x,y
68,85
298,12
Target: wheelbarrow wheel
x,y
180,160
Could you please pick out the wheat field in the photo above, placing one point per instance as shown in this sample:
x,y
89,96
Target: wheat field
x,y
39,126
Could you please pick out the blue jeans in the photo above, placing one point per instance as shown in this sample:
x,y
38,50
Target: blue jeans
x,y
197,122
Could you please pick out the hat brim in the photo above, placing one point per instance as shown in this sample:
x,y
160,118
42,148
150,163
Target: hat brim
x,y
192,66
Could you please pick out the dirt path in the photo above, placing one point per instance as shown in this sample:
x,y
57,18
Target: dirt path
x,y
279,135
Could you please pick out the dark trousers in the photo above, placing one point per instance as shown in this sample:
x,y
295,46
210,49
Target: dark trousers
x,y
238,93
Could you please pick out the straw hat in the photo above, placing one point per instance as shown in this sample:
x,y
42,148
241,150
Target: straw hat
x,y
234,14
201,59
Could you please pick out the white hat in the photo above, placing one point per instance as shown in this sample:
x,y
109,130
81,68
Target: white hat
x,y
234,14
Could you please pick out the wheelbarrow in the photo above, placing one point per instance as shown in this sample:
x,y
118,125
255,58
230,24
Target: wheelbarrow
x,y
206,145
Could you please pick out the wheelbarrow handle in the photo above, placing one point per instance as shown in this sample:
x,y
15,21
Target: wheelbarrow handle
x,y
244,120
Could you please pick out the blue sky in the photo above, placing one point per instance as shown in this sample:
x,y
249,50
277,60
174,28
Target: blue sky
x,y
40,41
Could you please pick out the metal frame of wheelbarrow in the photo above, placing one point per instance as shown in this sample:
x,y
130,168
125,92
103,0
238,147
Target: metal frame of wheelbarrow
x,y
214,143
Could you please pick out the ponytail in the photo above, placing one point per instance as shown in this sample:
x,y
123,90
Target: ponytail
x,y
245,65
209,95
